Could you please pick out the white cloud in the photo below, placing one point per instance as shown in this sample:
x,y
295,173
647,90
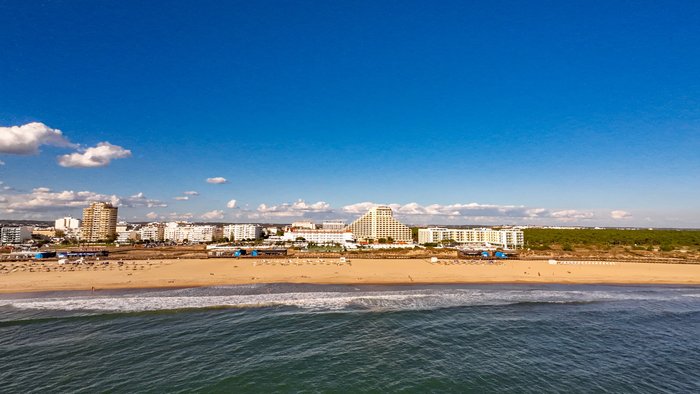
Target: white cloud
x,y
619,214
180,216
26,139
140,200
43,199
231,204
360,207
452,210
571,215
97,156
415,213
2,163
186,196
211,215
152,215
536,212
217,180
297,208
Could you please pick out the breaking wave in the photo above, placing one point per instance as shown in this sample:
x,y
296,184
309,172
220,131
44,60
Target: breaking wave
x,y
330,298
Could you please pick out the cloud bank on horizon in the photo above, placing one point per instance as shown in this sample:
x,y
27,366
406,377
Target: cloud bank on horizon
x,y
415,213
44,203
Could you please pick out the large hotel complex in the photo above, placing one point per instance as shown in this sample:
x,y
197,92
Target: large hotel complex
x,y
379,223
508,238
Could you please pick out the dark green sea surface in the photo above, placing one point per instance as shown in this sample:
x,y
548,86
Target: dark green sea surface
x,y
302,338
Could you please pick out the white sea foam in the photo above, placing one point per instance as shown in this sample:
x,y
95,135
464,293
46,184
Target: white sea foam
x,y
413,299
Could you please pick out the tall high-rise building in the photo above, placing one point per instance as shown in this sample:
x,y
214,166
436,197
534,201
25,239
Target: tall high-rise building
x,y
379,223
99,222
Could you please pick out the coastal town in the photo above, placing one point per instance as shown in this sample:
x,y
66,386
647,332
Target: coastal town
x,y
99,252
376,229
349,196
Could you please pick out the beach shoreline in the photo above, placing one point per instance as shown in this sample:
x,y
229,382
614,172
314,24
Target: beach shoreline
x,y
186,273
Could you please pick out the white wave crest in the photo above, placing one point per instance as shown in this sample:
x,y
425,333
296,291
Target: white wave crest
x,y
385,300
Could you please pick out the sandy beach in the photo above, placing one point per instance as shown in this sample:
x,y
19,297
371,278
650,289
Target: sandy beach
x,y
28,277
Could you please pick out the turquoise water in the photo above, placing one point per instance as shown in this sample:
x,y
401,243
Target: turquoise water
x,y
266,338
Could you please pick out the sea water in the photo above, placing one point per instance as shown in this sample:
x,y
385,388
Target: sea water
x,y
316,338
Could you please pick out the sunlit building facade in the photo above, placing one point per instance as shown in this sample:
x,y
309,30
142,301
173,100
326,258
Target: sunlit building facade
x,y
99,222
379,223
506,238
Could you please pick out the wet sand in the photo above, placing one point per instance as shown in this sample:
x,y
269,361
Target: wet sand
x,y
211,272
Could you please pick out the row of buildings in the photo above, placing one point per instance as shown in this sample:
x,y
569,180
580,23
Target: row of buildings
x,y
506,238
378,225
180,232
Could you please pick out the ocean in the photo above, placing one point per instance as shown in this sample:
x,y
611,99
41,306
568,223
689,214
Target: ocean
x,y
326,338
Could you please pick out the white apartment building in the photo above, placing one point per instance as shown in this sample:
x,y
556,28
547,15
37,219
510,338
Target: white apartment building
x,y
15,234
200,234
122,226
379,223
333,225
507,238
125,237
271,230
239,232
180,232
177,231
67,224
321,236
152,232
304,224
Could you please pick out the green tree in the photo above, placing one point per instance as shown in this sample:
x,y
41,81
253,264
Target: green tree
x,y
414,233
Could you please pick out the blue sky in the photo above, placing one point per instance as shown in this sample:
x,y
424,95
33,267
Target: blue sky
x,y
455,112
